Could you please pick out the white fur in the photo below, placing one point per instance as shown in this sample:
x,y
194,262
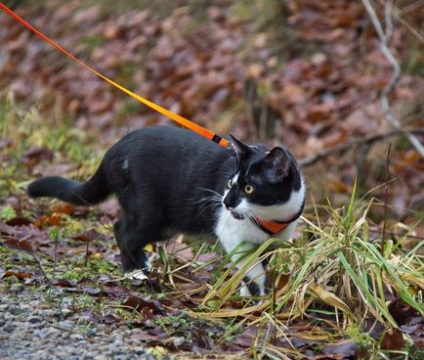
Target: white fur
x,y
125,164
239,236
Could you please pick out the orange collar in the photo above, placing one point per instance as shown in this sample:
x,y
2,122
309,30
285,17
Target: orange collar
x,y
273,227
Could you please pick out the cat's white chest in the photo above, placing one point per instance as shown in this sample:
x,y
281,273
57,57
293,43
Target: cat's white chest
x,y
229,229
238,236
234,231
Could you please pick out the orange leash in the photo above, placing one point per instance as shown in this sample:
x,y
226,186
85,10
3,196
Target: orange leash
x,y
169,114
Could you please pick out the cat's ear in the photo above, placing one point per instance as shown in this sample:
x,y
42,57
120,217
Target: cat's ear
x,y
242,150
276,165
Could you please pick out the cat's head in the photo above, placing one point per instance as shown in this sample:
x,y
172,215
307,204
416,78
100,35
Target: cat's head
x,y
266,183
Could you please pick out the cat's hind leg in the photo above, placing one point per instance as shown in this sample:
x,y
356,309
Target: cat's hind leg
x,y
131,245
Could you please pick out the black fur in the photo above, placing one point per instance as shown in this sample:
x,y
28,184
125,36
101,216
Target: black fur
x,y
254,289
165,178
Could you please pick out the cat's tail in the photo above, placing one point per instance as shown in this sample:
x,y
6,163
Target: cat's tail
x,y
91,192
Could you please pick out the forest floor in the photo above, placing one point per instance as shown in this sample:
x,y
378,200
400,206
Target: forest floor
x,y
309,74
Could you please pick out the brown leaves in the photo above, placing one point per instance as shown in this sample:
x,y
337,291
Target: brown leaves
x,y
52,220
146,308
318,67
35,155
392,340
25,237
322,76
17,274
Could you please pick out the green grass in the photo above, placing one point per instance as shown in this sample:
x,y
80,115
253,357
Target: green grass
x,y
343,277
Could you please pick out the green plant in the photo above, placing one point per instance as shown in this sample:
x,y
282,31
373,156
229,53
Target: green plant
x,y
344,277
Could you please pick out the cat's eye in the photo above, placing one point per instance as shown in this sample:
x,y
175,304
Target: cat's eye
x,y
229,183
248,189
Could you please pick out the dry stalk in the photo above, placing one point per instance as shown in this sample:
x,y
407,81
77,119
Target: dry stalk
x,y
386,197
384,37
369,140
397,14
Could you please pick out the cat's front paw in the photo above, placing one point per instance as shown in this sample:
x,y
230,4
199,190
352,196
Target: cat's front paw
x,y
136,275
252,288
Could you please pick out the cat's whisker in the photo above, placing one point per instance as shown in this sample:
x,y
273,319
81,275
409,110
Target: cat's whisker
x,y
212,192
207,206
205,199
258,212
215,198
251,216
208,201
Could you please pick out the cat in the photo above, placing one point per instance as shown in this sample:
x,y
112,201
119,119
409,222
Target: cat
x,y
169,180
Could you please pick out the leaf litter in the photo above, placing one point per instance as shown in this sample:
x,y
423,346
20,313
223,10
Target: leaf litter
x,y
323,98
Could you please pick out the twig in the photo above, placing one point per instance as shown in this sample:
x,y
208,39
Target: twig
x,y
384,39
369,140
87,250
40,267
398,15
412,7
386,198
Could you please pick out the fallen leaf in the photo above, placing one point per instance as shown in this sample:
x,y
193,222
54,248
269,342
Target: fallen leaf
x,y
140,304
35,155
341,349
18,274
201,339
392,339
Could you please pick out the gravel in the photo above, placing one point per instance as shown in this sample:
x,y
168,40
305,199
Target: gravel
x,y
36,326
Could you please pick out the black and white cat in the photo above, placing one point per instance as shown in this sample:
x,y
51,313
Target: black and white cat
x,y
170,181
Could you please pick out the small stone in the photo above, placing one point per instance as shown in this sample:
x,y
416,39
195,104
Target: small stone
x,y
139,350
65,335
25,307
17,288
21,317
67,302
66,312
15,310
117,344
77,337
118,356
42,334
12,279
9,328
149,357
91,332
51,313
83,320
64,325
34,319
178,340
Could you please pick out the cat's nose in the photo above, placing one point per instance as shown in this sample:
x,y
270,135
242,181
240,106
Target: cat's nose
x,y
227,203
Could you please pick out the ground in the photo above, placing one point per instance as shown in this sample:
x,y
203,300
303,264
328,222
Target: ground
x,y
312,75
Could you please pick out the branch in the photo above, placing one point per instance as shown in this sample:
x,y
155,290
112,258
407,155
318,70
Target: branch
x,y
397,13
384,39
369,140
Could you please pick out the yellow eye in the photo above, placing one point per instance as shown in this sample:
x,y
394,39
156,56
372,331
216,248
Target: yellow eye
x,y
248,189
229,183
